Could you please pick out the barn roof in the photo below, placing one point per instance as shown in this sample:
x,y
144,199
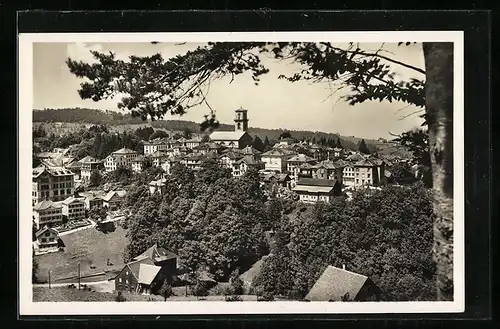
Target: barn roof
x,y
335,283
135,265
147,273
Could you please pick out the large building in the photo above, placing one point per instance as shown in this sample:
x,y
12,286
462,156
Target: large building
x,y
121,158
54,183
156,145
369,172
239,138
47,213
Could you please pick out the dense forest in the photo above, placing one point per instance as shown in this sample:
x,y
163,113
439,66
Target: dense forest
x,y
218,223
112,118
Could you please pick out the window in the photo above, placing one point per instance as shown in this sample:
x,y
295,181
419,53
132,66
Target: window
x,y
44,240
51,239
357,180
120,280
47,234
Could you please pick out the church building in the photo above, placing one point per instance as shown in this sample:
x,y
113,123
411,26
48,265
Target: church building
x,y
239,138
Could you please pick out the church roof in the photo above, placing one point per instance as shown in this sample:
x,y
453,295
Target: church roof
x,y
227,135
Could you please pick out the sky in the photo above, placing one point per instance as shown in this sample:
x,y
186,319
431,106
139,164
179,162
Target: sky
x,y
272,104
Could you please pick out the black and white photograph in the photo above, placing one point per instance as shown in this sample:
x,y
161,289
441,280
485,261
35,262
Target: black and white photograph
x,y
227,173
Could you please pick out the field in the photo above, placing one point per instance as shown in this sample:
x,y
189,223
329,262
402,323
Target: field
x,y
88,247
63,294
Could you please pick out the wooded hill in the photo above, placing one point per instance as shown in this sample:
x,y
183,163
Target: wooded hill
x,y
114,119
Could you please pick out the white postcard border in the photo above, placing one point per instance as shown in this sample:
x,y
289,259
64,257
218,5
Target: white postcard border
x,y
25,108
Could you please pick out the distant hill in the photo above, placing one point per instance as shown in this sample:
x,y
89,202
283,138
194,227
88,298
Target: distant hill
x,y
122,121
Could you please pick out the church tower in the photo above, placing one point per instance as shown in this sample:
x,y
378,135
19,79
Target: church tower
x,y
241,120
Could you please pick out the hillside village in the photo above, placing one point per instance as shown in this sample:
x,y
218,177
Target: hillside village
x,y
71,195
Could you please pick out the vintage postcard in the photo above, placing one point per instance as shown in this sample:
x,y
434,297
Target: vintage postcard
x,y
252,173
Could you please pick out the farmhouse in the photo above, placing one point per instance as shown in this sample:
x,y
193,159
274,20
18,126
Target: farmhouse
x,y
113,199
337,284
147,272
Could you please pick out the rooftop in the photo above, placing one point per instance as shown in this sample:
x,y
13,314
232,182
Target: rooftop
x,y
124,151
147,273
335,283
46,204
227,135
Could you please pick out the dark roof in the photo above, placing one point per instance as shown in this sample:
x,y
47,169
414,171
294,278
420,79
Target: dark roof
x,y
157,254
335,283
316,182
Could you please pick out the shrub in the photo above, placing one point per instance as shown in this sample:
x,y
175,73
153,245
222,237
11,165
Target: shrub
x,y
234,298
120,297
265,297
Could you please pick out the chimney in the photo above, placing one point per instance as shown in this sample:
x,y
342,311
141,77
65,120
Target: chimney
x,y
343,267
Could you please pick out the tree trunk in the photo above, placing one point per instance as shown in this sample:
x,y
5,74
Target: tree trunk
x,y
439,108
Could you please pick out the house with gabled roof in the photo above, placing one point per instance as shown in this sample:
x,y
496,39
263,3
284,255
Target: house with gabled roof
x,y
155,145
120,158
294,163
73,207
193,142
311,190
368,172
138,163
337,284
47,238
250,151
88,166
328,169
241,166
157,186
276,159
54,183
114,199
147,272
